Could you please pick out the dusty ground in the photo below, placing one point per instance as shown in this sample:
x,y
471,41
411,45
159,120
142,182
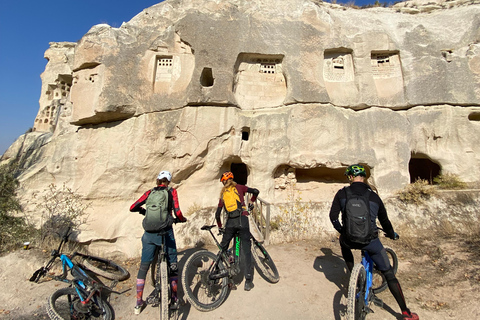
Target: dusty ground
x,y
440,278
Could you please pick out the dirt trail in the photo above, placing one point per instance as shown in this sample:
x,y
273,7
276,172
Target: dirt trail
x,y
312,286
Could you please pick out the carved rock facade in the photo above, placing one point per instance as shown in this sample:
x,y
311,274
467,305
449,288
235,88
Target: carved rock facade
x,y
283,93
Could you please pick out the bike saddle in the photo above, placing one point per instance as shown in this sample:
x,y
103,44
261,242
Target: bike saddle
x,y
208,227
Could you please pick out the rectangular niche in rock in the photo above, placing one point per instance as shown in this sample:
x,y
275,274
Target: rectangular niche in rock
x,y
259,81
387,75
164,69
339,76
338,66
386,65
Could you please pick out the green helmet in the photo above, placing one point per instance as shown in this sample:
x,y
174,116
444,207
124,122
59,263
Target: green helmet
x,y
356,170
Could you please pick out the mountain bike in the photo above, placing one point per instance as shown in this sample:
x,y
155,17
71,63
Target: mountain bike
x,y
84,298
161,295
207,277
365,282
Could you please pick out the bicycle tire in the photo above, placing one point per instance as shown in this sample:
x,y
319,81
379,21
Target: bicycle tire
x,y
379,283
105,268
65,304
264,263
162,279
356,308
202,293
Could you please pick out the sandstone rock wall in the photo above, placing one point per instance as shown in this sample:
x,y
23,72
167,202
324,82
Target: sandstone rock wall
x,y
284,93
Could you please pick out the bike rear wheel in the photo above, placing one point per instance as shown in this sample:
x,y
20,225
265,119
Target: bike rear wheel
x,y
379,283
202,292
65,304
162,280
105,268
264,263
356,307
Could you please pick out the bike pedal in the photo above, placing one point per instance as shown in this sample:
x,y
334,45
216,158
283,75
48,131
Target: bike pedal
x,y
378,302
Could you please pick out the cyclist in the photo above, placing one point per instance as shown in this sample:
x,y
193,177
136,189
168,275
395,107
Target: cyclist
x,y
151,240
237,223
357,177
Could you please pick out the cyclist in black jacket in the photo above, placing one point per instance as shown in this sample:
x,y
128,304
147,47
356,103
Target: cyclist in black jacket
x,y
357,176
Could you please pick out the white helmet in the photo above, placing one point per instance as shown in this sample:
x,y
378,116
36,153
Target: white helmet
x,y
165,174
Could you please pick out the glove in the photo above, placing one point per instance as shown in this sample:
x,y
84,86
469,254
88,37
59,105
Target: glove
x,y
393,236
221,231
183,220
250,206
142,211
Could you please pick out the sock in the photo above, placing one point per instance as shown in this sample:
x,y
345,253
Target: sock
x,y
173,284
140,286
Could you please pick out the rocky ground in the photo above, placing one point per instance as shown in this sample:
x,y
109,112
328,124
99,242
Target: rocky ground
x,y
440,278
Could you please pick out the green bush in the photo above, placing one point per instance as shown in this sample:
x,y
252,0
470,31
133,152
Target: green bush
x,y
14,226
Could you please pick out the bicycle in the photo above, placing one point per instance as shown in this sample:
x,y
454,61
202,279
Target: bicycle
x,y
83,298
161,295
207,277
365,282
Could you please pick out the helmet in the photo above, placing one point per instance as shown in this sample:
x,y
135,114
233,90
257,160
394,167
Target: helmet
x,y
356,170
227,175
164,174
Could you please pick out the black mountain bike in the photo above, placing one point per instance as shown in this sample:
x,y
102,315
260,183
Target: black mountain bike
x,y
84,298
161,295
207,277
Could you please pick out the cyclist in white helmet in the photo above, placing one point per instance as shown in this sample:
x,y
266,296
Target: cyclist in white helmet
x,y
151,239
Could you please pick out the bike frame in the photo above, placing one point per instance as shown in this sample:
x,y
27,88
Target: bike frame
x,y
367,262
81,280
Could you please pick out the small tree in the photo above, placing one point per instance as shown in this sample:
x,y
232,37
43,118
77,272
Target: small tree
x,y
61,208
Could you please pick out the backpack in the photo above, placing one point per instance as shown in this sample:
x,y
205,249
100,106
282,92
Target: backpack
x,y
157,216
231,200
358,223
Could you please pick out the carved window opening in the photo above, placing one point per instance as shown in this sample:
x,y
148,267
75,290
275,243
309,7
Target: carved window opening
x,y
422,167
474,116
245,134
268,67
206,79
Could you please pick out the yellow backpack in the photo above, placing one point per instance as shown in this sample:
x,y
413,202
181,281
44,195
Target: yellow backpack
x,y
231,200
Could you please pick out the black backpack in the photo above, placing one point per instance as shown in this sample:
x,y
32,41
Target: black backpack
x,y
357,220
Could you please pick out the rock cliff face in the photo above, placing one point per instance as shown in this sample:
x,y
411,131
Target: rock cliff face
x,y
285,93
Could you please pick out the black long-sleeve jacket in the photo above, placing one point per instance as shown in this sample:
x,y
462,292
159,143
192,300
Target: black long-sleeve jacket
x,y
377,208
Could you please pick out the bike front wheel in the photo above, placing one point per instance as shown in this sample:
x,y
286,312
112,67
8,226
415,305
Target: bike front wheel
x,y
65,304
356,306
105,268
379,283
162,280
202,292
264,263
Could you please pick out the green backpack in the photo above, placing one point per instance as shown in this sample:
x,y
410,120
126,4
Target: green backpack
x,y
157,216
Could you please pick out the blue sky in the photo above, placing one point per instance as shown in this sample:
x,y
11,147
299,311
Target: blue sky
x,y
26,28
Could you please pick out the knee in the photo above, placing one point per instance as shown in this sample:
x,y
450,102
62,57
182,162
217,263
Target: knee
x,y
390,275
142,270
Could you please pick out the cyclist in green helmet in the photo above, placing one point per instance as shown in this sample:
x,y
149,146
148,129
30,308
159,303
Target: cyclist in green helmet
x,y
357,176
